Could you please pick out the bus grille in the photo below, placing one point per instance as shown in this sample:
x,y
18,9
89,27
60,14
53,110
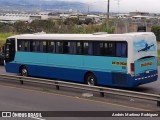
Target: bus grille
x,y
119,79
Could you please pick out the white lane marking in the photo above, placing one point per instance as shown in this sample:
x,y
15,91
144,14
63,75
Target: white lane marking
x,y
37,118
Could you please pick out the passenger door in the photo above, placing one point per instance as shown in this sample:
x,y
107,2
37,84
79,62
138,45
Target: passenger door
x,y
9,50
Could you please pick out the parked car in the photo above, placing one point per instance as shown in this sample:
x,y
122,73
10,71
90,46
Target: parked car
x,y
1,58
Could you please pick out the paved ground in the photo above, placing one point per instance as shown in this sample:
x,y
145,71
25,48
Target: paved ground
x,y
19,99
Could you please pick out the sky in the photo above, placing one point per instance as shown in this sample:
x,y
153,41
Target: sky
x,y
152,6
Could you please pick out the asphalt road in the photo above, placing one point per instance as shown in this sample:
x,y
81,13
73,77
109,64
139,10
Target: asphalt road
x,y
2,70
19,99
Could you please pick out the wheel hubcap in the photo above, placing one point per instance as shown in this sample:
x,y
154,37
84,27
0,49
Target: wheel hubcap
x,y
24,72
90,80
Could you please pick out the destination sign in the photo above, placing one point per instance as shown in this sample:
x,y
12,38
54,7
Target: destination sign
x,y
119,63
146,64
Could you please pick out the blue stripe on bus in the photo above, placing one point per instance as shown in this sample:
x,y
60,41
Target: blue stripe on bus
x,y
76,75
94,63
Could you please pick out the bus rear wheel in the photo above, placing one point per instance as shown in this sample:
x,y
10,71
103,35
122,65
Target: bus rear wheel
x,y
90,79
23,72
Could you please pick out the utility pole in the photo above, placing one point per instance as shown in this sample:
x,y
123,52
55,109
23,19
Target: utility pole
x,y
108,5
108,10
88,9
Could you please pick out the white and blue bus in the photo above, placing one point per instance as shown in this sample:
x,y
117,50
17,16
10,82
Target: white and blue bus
x,y
119,60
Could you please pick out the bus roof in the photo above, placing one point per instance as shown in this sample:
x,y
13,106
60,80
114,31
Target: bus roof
x,y
105,37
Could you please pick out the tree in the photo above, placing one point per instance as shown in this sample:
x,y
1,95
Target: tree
x,y
156,31
21,27
109,30
88,21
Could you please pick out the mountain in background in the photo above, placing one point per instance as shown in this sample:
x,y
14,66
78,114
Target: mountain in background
x,y
41,5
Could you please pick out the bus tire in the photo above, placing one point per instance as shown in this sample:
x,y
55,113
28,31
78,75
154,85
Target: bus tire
x,y
23,72
90,79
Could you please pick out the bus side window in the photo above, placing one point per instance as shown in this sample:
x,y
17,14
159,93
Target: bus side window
x,y
98,48
112,49
59,47
121,49
72,48
88,48
33,46
79,48
21,45
26,46
118,49
38,46
51,47
106,49
42,46
124,49
66,46
109,49
85,48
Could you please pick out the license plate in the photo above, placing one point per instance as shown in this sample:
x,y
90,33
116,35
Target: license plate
x,y
147,72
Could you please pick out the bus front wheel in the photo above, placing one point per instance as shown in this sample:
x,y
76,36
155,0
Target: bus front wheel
x,y
23,72
90,79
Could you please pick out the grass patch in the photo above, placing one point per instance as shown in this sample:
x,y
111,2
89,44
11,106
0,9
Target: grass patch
x,y
3,37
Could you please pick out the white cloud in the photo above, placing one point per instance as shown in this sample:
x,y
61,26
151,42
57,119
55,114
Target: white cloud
x,y
124,6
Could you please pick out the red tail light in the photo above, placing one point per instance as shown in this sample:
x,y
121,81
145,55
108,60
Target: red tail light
x,y
132,67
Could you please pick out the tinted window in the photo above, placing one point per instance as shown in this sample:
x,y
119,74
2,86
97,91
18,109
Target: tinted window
x,y
121,49
21,45
51,47
66,46
79,48
98,48
124,49
109,48
88,48
33,46
72,48
59,47
114,49
43,46
118,49
27,46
